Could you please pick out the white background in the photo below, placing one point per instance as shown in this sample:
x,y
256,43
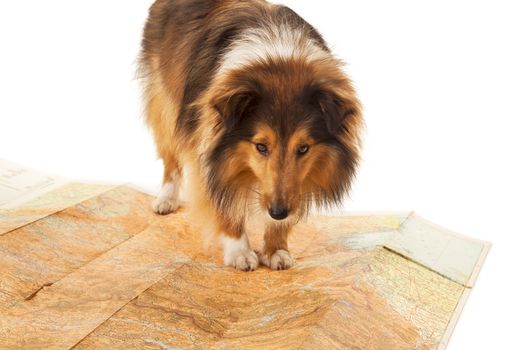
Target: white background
x,y
442,82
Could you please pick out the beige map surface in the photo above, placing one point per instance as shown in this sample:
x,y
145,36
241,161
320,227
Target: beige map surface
x,y
90,266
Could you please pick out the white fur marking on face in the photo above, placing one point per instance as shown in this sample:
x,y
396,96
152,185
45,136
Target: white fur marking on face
x,y
273,41
167,200
239,254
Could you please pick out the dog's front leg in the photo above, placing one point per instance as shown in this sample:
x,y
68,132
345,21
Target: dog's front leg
x,y
275,253
238,253
167,200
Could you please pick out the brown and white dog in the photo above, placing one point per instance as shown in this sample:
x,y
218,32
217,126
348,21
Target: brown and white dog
x,y
245,98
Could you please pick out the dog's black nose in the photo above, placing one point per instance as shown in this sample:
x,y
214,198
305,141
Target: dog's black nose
x,y
278,213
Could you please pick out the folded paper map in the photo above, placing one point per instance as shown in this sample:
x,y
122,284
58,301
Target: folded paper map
x,y
91,266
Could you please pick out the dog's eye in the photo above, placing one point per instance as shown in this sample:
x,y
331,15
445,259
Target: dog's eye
x,y
303,150
263,149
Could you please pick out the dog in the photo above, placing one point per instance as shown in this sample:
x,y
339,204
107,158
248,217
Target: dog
x,y
245,98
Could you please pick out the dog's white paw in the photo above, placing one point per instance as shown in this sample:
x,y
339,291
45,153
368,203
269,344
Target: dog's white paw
x,y
167,201
237,253
163,205
245,260
280,260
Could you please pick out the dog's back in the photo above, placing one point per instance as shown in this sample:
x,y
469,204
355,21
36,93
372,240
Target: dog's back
x,y
183,43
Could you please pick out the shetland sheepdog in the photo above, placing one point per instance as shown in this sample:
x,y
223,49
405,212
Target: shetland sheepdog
x,y
245,98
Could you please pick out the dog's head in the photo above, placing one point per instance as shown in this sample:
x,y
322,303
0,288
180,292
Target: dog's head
x,y
289,136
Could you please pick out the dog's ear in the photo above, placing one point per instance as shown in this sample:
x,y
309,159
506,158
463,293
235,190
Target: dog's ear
x,y
234,106
336,106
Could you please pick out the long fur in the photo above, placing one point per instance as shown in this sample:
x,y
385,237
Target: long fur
x,y
222,78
